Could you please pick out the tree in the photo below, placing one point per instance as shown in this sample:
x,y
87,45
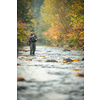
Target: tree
x,y
25,19
65,21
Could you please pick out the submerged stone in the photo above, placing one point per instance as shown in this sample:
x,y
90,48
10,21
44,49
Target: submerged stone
x,y
68,59
66,50
81,59
50,60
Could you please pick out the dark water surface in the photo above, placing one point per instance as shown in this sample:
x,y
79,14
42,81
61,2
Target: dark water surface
x,y
50,80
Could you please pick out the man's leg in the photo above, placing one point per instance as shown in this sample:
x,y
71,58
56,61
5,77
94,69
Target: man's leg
x,y
30,49
34,47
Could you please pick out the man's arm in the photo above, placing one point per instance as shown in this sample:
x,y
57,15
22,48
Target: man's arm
x,y
30,36
36,37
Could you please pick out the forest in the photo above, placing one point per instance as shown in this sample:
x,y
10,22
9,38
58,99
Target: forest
x,y
55,22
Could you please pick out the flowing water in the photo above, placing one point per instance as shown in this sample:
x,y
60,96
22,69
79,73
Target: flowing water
x,y
50,80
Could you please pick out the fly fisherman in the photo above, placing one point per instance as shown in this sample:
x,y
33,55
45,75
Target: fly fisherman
x,y
33,39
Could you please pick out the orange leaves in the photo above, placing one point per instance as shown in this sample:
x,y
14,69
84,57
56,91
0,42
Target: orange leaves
x,y
28,59
70,35
18,64
64,61
20,79
54,33
28,55
76,60
75,69
18,55
20,24
80,75
26,50
22,57
21,33
42,56
33,57
48,51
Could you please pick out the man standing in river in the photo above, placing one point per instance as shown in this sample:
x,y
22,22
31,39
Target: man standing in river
x,y
33,39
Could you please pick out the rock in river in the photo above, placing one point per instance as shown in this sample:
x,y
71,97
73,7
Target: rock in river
x,y
68,59
81,59
66,50
50,60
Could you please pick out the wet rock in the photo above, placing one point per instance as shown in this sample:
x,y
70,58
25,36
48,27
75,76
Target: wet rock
x,y
50,60
21,87
66,50
81,59
67,60
20,79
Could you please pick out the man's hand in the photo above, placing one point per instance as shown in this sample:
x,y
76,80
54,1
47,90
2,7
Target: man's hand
x,y
35,39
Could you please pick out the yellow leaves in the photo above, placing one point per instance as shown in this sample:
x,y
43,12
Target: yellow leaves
x,y
81,34
28,59
18,33
70,35
21,40
42,56
28,55
76,60
34,21
71,5
60,19
60,61
55,37
33,57
21,33
75,69
64,61
52,24
22,57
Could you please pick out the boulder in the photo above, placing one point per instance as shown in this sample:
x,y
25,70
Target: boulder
x,y
68,60
66,50
50,60
81,59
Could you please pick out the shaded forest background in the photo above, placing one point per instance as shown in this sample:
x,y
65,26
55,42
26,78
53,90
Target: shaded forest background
x,y
56,22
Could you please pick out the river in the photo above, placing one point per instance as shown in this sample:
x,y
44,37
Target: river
x,y
49,80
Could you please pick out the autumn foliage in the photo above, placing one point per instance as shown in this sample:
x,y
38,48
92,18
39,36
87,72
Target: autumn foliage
x,y
65,22
21,33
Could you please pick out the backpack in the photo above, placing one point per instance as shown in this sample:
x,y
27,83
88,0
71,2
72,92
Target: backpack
x,y
28,42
